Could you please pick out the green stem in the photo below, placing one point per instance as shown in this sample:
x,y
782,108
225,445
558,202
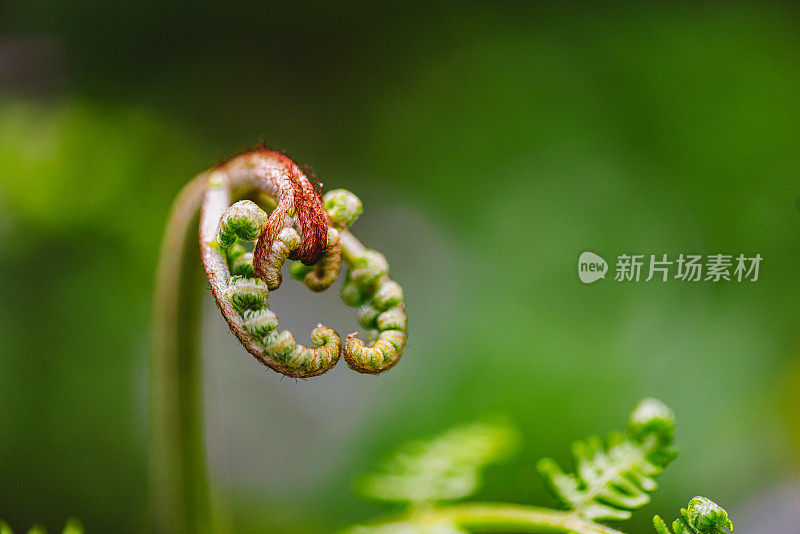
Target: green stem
x,y
499,517
179,491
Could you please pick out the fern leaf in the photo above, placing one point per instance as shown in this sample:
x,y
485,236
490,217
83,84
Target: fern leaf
x,y
445,468
614,478
660,526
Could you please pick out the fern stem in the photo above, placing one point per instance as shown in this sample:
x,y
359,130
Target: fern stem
x,y
179,497
499,517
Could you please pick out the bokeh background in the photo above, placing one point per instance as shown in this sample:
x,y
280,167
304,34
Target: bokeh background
x,y
491,144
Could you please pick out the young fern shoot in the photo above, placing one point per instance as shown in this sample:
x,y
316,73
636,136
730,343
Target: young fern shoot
x,y
256,211
313,232
611,481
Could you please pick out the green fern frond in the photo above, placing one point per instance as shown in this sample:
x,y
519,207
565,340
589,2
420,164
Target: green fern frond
x,y
443,469
701,516
614,479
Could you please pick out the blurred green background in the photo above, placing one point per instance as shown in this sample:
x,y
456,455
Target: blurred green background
x,y
491,144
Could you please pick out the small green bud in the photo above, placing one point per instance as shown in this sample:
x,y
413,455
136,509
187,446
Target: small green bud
x,y
243,265
279,345
260,323
247,293
652,418
244,220
707,516
342,206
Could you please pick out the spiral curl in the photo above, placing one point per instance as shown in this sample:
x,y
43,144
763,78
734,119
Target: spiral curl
x,y
382,313
249,295
701,516
243,249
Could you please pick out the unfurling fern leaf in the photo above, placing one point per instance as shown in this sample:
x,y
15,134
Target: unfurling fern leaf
x,y
701,516
446,468
614,479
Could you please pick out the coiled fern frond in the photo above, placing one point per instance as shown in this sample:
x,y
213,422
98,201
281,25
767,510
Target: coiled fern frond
x,y
614,478
701,516
243,249
256,211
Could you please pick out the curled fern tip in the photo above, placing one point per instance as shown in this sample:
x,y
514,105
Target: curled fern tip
x,y
701,516
651,417
244,248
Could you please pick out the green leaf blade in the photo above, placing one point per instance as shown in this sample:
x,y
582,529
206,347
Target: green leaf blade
x,y
446,468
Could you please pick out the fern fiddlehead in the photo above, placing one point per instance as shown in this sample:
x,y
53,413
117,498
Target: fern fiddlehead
x,y
701,516
313,232
242,248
